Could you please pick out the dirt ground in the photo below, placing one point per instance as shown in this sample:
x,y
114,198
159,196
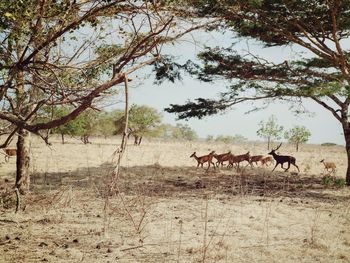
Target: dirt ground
x,y
163,209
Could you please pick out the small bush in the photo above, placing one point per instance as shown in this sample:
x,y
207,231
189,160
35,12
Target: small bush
x,y
333,181
328,144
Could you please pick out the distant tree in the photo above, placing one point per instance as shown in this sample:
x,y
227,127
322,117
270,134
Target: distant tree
x,y
183,131
84,125
239,138
143,121
297,135
105,124
231,139
225,139
270,130
210,138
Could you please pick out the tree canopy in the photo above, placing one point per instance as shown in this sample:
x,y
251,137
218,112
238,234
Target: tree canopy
x,y
320,29
297,135
270,130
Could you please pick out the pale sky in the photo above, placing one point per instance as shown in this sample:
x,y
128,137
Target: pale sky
x,y
322,125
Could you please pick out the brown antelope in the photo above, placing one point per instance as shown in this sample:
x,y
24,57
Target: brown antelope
x,y
221,158
255,159
329,165
265,160
9,153
237,159
204,159
281,159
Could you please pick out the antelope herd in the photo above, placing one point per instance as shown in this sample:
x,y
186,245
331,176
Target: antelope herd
x,y
235,160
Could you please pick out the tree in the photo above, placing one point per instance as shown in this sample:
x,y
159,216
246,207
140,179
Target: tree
x,y
210,138
47,62
105,124
270,130
318,28
143,121
184,132
297,135
225,139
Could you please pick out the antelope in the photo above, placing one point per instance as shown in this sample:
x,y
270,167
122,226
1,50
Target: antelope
x,y
221,158
329,165
266,159
203,159
255,159
238,159
281,159
9,153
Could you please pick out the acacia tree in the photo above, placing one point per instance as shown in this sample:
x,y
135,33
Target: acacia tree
x,y
143,121
72,53
184,132
270,130
320,28
297,135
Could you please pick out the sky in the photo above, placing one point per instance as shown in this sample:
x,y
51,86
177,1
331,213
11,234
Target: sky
x,y
322,125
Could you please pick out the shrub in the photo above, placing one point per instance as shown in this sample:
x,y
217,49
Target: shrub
x,y
333,181
328,144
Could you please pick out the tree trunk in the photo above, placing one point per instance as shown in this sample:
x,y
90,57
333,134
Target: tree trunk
x,y
347,147
22,162
62,137
268,143
297,147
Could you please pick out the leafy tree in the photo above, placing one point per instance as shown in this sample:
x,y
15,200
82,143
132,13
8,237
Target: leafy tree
x,y
45,61
225,139
270,130
297,135
318,28
105,124
184,132
210,138
143,121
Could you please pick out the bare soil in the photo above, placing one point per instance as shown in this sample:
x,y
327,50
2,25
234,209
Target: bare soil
x,y
164,209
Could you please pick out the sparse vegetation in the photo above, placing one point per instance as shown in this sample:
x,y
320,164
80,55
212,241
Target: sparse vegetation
x,y
165,206
333,181
328,144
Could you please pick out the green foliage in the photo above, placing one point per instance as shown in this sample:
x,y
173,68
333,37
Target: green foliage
x,y
332,181
297,135
184,132
270,130
210,138
84,124
105,124
225,139
231,139
328,144
143,121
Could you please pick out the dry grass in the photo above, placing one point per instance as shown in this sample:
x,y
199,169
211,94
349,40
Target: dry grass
x,y
168,211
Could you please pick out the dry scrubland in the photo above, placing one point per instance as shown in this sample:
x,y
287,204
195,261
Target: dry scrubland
x,y
167,211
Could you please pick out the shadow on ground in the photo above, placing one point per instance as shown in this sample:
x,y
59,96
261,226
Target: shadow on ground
x,y
155,180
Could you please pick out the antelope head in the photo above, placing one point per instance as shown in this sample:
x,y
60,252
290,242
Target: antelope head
x,y
274,150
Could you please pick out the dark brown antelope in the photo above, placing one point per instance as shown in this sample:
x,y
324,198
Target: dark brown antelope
x,y
281,159
204,159
9,153
221,158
